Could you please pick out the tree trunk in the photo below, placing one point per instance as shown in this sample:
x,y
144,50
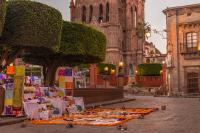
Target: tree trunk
x,y
50,74
44,71
53,76
3,57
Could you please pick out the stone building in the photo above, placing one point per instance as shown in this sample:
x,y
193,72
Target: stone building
x,y
118,20
152,54
183,48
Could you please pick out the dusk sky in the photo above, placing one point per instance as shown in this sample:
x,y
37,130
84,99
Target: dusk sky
x,y
153,12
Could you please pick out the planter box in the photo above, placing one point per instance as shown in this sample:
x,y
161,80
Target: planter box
x,y
112,80
92,95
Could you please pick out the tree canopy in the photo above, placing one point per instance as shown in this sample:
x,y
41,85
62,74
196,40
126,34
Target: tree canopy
x,y
79,44
83,42
32,24
2,14
38,31
30,27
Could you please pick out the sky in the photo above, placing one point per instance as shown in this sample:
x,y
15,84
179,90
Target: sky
x,y
153,15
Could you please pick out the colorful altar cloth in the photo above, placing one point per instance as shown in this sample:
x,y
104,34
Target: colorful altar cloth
x,y
31,109
99,117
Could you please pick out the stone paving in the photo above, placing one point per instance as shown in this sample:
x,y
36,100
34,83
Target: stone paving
x,y
181,116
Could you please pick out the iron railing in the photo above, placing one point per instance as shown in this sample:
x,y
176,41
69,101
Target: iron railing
x,y
184,49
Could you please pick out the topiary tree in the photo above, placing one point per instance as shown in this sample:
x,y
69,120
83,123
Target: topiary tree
x,y
79,44
30,27
2,14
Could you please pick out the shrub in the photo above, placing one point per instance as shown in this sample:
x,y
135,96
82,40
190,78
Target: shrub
x,y
149,69
101,67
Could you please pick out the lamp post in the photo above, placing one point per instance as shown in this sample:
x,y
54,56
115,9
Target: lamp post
x,y
148,34
105,75
120,72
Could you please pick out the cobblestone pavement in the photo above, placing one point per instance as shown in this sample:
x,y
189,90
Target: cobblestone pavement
x,y
181,116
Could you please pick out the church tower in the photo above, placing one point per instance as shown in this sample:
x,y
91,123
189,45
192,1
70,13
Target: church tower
x,y
118,20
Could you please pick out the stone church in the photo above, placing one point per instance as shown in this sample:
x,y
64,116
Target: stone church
x,y
118,20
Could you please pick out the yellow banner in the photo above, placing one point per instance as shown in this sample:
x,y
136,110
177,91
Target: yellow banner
x,y
17,94
19,71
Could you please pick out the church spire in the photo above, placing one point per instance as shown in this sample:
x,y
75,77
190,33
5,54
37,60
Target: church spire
x,y
72,10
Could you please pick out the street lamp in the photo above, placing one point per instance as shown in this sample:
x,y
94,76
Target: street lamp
x,y
112,71
105,76
106,69
120,71
148,34
121,64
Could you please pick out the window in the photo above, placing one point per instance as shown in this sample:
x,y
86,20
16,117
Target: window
x,y
135,17
100,13
191,42
189,14
132,16
107,12
147,60
83,14
192,82
91,13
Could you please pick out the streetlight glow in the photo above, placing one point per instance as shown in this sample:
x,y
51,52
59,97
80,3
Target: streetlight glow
x,y
121,64
199,46
106,68
148,34
112,71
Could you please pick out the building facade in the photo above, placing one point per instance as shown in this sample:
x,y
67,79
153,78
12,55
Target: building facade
x,y
118,20
152,54
183,48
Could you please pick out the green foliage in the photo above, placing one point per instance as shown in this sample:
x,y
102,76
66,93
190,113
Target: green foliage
x,y
101,67
2,14
32,24
149,69
82,43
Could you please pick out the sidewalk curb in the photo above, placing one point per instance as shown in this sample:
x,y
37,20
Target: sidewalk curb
x,y
178,96
11,122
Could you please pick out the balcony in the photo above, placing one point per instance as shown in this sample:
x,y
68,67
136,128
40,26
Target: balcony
x,y
189,52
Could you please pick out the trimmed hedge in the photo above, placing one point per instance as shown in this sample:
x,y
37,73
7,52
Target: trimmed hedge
x,y
2,14
101,67
32,24
80,44
83,43
149,69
